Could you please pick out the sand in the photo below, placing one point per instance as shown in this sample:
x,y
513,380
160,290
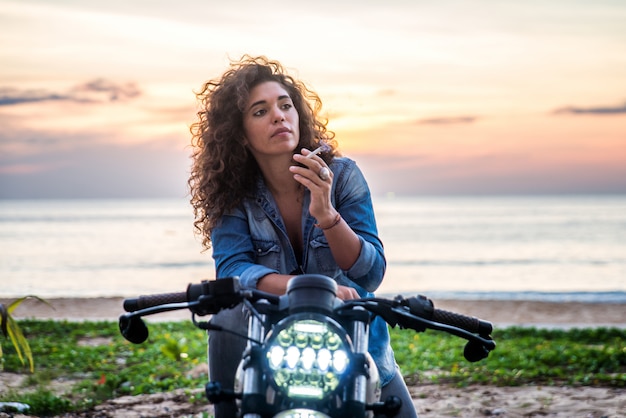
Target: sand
x,y
430,400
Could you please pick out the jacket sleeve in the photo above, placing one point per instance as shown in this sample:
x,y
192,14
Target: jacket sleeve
x,y
354,202
233,251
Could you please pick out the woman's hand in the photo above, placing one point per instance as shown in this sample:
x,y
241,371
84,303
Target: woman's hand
x,y
347,293
344,243
318,178
277,285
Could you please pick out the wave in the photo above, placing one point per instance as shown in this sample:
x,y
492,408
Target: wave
x,y
172,265
504,262
582,297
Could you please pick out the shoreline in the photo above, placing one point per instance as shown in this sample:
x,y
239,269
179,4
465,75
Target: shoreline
x,y
499,312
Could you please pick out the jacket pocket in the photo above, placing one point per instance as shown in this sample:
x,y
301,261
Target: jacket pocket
x,y
323,257
267,253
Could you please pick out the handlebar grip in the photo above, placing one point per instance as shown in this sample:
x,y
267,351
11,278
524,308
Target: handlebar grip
x,y
468,323
148,301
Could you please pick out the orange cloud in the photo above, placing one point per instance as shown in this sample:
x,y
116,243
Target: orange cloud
x,y
450,120
592,110
496,154
26,168
95,91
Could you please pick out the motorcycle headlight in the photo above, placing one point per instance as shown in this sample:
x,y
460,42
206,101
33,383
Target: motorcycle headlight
x,y
307,355
301,413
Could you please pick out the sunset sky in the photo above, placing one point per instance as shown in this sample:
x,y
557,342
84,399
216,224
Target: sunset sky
x,y
441,97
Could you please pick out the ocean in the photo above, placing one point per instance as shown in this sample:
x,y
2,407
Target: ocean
x,y
552,248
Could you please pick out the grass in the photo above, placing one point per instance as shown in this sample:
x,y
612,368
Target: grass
x,y
576,357
98,364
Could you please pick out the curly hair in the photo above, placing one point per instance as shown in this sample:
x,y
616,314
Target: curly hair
x,y
223,171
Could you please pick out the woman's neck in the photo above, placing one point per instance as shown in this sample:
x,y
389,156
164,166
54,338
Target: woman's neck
x,y
278,178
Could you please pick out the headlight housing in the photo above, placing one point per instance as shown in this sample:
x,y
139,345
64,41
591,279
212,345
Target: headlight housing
x,y
301,413
307,356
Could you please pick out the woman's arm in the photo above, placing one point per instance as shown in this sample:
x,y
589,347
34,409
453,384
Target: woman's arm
x,y
234,252
353,237
277,284
353,201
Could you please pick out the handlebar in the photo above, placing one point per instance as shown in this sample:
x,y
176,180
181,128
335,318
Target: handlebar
x,y
477,347
424,308
148,301
468,323
206,297
210,297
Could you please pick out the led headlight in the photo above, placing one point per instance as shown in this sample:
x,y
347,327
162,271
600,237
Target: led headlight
x,y
307,355
301,413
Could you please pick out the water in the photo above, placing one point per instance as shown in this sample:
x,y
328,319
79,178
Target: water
x,y
537,248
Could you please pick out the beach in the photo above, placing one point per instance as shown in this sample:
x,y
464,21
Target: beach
x,y
431,400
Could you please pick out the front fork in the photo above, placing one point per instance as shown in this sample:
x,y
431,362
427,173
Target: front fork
x,y
357,391
253,388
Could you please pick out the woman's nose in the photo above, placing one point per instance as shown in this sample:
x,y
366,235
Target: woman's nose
x,y
279,116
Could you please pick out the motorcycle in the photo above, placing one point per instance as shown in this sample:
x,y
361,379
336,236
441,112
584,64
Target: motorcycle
x,y
307,350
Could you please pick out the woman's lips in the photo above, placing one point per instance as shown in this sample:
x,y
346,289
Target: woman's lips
x,y
281,131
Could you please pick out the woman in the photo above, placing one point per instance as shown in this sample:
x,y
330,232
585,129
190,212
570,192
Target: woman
x,y
271,208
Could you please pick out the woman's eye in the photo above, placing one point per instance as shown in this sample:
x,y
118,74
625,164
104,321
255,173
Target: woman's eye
x,y
287,106
259,112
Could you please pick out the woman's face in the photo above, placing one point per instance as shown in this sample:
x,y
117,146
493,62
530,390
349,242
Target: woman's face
x,y
270,121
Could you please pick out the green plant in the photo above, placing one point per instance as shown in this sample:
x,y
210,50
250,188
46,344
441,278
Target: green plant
x,y
96,363
588,356
10,329
43,402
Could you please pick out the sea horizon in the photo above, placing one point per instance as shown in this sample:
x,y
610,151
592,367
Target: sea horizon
x,y
506,247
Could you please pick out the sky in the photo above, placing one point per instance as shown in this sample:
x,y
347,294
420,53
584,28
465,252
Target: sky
x,y
445,97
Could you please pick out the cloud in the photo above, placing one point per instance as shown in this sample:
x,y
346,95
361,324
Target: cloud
x,y
26,168
94,91
454,120
386,93
10,96
489,173
158,169
600,110
113,90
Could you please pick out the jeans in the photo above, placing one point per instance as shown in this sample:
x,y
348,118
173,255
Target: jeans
x,y
226,350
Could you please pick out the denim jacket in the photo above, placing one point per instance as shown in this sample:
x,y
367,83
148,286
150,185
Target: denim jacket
x,y
251,242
